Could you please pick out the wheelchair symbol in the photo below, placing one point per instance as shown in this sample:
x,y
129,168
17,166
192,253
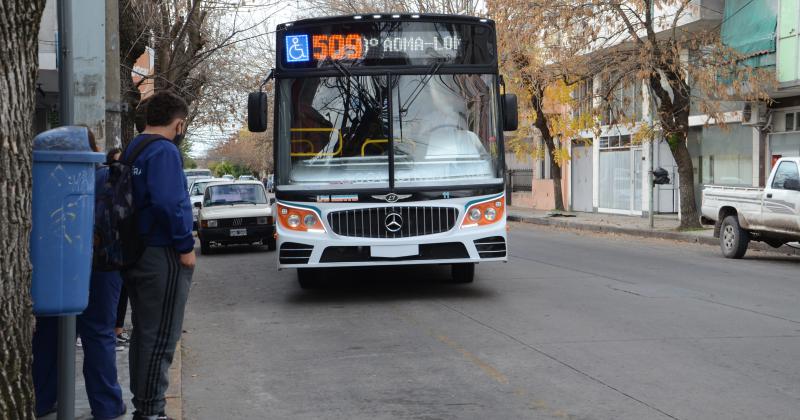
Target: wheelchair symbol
x,y
296,48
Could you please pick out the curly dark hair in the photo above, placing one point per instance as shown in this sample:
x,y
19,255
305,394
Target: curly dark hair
x,y
164,107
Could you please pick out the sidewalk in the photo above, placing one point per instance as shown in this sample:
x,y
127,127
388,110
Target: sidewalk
x,y
665,226
84,412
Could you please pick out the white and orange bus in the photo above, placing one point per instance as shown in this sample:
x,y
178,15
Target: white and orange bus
x,y
388,142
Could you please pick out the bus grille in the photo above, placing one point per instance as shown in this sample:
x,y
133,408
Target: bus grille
x,y
393,222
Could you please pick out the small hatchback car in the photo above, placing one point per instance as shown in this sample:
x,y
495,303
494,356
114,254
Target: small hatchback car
x,y
235,212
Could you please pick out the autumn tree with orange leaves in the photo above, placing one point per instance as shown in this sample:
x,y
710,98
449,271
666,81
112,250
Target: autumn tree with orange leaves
x,y
544,43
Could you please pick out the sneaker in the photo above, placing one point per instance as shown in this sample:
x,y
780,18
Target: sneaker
x,y
123,338
119,347
78,342
122,341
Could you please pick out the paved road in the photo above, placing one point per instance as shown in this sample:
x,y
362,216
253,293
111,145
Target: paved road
x,y
581,327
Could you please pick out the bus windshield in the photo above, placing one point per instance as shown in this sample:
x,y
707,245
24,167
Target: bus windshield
x,y
336,130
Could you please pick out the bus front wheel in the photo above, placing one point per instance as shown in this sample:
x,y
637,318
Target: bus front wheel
x,y
463,273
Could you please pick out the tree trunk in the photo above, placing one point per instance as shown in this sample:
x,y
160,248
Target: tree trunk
x,y
537,101
133,39
555,173
130,96
19,31
673,112
689,216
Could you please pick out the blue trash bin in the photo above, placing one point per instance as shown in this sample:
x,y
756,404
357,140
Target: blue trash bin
x,y
63,220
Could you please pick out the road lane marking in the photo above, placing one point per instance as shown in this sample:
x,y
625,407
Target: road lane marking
x,y
494,373
485,367
559,361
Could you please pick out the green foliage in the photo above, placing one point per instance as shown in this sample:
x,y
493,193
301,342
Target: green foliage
x,y
227,168
186,147
189,163
673,140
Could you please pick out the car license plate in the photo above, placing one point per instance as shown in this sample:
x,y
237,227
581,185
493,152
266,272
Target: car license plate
x,y
238,232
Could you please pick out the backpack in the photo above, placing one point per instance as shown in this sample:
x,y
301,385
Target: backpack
x,y
118,245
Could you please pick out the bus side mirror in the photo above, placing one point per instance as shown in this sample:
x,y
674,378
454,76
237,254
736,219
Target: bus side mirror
x,y
510,117
257,112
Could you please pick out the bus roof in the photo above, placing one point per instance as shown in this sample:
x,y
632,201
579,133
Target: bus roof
x,y
426,17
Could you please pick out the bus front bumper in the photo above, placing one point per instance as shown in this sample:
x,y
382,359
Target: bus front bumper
x,y
460,245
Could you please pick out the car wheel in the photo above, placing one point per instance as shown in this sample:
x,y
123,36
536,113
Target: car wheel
x,y
732,238
463,273
205,248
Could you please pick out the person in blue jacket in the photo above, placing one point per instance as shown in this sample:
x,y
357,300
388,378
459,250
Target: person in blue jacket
x,y
158,284
95,327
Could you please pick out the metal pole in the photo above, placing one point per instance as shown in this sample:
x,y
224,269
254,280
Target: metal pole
x,y
66,367
114,105
65,68
66,324
650,214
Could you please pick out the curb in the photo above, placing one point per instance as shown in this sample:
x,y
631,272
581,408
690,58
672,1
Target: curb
x,y
174,393
642,233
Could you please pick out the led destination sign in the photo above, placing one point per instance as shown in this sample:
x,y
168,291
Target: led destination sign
x,y
357,47
368,44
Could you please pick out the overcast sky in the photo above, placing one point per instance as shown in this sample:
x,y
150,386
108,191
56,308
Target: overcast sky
x,y
253,12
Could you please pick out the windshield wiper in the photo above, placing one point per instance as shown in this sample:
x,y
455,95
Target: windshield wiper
x,y
349,76
240,202
432,71
403,108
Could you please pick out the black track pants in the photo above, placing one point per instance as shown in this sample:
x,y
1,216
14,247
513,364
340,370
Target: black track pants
x,y
158,287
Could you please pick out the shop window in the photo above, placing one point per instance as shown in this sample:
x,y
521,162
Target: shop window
x,y
727,155
615,142
623,102
583,98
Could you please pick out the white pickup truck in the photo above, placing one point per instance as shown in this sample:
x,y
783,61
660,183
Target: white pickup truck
x,y
742,214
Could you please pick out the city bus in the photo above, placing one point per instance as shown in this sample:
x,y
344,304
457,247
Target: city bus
x,y
388,143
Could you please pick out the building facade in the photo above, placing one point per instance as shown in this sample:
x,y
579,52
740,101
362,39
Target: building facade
x,y
47,98
609,171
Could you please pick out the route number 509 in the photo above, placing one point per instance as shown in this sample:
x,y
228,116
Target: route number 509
x,y
337,47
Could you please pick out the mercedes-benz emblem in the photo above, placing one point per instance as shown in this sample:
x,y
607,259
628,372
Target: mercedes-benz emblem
x,y
393,222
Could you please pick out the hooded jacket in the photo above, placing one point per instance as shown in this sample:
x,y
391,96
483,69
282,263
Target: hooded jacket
x,y
161,195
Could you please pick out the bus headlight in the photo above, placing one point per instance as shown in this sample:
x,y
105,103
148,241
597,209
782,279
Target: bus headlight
x,y
490,214
299,219
475,214
485,213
